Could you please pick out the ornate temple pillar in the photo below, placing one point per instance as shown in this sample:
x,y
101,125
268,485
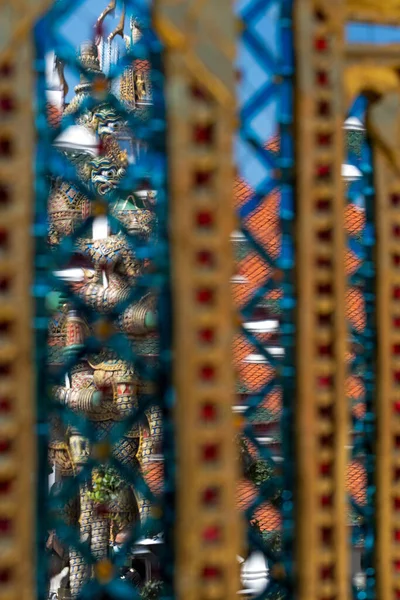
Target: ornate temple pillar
x,y
199,41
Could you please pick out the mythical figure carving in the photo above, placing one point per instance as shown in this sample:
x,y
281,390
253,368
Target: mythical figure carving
x,y
102,386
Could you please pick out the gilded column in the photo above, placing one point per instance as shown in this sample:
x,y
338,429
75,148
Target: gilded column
x,y
199,42
322,413
17,382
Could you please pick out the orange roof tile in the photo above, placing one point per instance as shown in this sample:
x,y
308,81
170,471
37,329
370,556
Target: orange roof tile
x,y
354,219
358,410
255,269
274,294
351,262
267,515
54,115
153,474
356,480
355,310
255,376
263,224
241,192
142,65
273,402
273,144
354,387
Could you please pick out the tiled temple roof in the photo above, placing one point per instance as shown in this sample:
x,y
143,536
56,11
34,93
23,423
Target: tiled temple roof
x,y
267,515
263,225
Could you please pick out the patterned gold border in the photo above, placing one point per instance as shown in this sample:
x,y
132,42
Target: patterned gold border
x,y
17,397
201,119
376,11
322,425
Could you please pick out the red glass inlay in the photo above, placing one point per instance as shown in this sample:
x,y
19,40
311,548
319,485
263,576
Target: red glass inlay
x,y
205,296
325,288
396,535
210,495
325,469
325,350
327,535
4,283
6,69
323,204
396,260
321,44
323,108
326,412
204,218
207,373
5,575
326,572
5,486
396,473
205,258
396,322
203,134
323,171
326,440
199,93
5,326
202,178
210,452
319,15
396,503
324,139
5,405
395,199
211,572
5,146
325,235
322,78
396,349
212,534
324,263
5,369
209,412
206,336
3,237
5,446
5,525
325,381
396,230
396,376
327,500
396,407
4,194
325,319
6,103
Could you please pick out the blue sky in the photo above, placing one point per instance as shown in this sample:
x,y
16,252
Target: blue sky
x,y
79,27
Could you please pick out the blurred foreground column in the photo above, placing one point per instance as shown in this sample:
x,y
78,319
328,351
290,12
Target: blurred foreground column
x,y
199,40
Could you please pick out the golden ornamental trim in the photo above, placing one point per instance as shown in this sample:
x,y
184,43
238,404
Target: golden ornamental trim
x,y
377,11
